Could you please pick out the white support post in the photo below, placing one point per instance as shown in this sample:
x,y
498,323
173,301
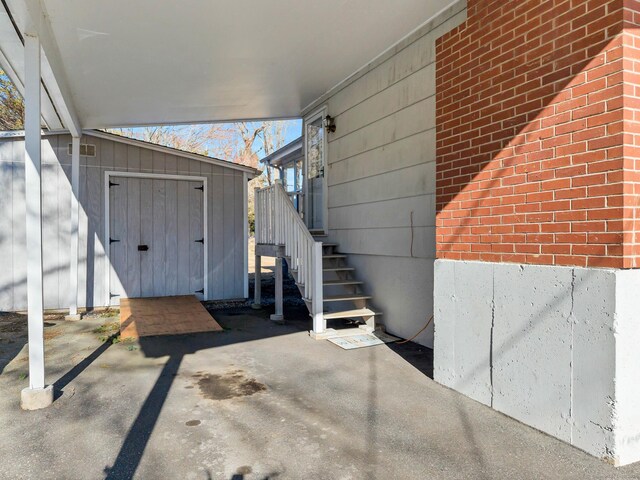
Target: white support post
x,y
257,284
278,316
245,236
36,395
319,323
75,214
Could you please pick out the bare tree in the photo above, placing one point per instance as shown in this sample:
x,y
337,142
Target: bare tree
x,y
209,139
11,105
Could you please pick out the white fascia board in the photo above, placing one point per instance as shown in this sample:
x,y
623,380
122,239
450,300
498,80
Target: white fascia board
x,y
31,17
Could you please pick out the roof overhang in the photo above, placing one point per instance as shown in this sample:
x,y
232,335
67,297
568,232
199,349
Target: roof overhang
x,y
290,152
122,63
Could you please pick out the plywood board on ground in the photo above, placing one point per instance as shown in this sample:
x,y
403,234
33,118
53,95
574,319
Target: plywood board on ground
x,y
362,340
143,317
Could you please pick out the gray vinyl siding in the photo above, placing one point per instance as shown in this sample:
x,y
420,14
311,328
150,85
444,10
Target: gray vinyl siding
x,y
381,176
224,203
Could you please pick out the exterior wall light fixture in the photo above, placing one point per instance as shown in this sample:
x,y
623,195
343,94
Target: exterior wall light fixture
x,y
329,123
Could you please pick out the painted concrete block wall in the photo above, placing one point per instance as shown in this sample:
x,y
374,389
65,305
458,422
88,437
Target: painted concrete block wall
x,y
627,358
554,347
381,175
225,225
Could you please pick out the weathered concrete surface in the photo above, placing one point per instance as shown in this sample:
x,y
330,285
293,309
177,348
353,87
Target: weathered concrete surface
x,y
531,354
258,401
562,353
594,357
36,398
463,341
627,380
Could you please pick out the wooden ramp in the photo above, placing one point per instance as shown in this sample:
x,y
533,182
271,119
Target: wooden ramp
x,y
143,317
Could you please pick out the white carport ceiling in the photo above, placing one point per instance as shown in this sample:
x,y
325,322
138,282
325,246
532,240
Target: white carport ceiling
x,y
153,62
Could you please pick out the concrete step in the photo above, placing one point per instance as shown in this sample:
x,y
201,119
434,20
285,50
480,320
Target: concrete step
x,y
358,313
334,256
345,297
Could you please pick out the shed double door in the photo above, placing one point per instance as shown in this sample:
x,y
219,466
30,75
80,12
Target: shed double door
x,y
156,244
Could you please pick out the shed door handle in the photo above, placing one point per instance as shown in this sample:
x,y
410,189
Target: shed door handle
x,y
143,248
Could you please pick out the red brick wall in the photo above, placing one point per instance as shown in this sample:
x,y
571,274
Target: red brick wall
x,y
536,160
631,48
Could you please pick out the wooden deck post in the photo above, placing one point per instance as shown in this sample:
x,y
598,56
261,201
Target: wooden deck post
x,y
257,284
278,316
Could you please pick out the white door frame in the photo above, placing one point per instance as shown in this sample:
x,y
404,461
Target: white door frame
x,y
319,113
159,176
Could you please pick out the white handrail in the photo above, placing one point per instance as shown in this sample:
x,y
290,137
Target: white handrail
x,y
278,223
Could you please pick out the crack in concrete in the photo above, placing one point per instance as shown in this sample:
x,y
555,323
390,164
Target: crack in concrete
x,y
608,429
571,324
493,318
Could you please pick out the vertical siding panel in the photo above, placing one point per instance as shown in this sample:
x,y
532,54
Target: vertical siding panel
x,y
107,163
195,227
117,231
50,221
229,237
158,251
63,202
104,162
6,225
83,228
120,157
183,166
146,237
133,158
94,214
146,160
60,145
216,233
171,164
133,237
184,234
158,159
171,238
239,235
106,153
19,230
197,249
205,170
64,207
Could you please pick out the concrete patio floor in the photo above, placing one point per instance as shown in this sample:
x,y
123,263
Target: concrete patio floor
x,y
259,401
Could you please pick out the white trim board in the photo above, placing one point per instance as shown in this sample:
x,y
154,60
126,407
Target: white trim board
x,y
162,176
